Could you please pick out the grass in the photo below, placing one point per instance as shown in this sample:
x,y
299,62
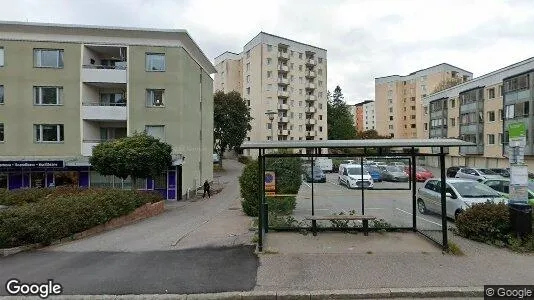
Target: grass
x,y
454,249
218,168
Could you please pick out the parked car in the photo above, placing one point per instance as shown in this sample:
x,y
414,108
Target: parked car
x,y
324,164
215,157
375,172
476,174
397,164
461,193
353,176
503,187
394,173
316,176
501,171
421,174
451,171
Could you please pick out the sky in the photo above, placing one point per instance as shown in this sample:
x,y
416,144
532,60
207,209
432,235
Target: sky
x,y
365,39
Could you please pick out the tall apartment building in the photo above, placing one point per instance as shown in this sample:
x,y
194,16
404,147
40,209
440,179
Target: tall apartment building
x,y
398,105
480,110
277,74
66,88
364,115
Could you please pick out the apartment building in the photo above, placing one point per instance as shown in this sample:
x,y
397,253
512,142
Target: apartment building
x,y
398,106
480,110
66,88
281,76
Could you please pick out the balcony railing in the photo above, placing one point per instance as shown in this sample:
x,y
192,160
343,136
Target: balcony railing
x,y
310,98
311,133
283,68
283,81
311,62
311,121
101,111
310,86
104,74
283,132
310,74
100,103
104,67
311,109
283,94
283,119
283,55
283,106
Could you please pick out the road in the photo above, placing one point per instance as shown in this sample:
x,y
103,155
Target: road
x,y
194,246
394,206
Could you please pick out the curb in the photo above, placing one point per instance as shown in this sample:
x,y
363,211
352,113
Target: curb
x,y
378,293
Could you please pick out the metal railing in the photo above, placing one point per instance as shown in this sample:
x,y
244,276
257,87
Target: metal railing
x,y
104,67
99,103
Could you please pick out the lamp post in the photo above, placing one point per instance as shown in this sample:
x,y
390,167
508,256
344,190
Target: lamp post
x,y
271,114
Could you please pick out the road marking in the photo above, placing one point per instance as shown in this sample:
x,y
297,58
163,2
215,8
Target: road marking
x,y
374,208
307,184
419,217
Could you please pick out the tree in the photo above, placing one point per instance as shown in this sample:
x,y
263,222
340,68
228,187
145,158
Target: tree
x,y
231,122
447,83
370,134
340,120
137,156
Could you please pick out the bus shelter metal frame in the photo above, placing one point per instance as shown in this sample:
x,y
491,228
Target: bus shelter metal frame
x,y
364,145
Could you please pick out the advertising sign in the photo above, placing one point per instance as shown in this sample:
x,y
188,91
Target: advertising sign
x,y
516,133
270,182
32,164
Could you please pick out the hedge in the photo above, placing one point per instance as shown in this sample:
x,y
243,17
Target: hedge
x,y
485,222
62,214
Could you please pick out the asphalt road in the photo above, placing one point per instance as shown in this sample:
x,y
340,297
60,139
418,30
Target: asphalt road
x,y
394,206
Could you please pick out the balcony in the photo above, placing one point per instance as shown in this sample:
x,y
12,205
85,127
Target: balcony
x,y
311,121
310,98
283,68
104,74
99,112
283,120
283,106
310,74
283,81
283,132
283,94
474,150
311,62
283,55
310,86
311,109
311,133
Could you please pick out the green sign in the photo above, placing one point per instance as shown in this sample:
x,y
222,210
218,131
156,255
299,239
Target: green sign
x,y
516,131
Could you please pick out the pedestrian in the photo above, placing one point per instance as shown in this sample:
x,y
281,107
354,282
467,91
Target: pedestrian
x,y
206,189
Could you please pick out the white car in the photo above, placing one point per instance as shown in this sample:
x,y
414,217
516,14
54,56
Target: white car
x,y
477,174
352,176
215,157
461,193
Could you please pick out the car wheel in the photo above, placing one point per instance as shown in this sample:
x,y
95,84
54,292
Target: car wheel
x,y
457,213
421,207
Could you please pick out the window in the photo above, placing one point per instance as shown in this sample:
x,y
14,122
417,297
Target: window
x,y
320,128
1,56
491,139
291,66
509,111
300,128
300,91
391,118
413,126
268,61
1,94
300,102
320,117
491,93
301,80
391,109
248,91
321,95
269,74
491,116
1,132
300,116
248,78
47,58
391,127
248,54
320,60
320,106
453,103
47,95
268,89
291,78
48,133
154,98
500,90
268,125
248,66
292,103
320,83
157,131
453,122
426,110
269,48
404,118
155,62
500,138
404,109
426,126
300,67
300,55
501,115
413,107
292,53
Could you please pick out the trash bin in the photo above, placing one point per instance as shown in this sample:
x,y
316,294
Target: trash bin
x,y
521,218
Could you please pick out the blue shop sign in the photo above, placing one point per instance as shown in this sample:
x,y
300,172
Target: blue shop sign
x,y
32,164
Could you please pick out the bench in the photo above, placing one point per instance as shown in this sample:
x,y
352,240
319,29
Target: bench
x,y
364,219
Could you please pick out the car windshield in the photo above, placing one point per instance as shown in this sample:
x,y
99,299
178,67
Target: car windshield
x,y
357,171
487,172
421,169
373,169
473,189
393,169
316,170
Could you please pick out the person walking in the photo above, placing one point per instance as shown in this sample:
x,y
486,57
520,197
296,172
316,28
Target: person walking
x,y
206,189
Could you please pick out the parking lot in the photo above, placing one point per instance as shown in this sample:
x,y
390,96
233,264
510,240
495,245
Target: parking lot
x,y
393,206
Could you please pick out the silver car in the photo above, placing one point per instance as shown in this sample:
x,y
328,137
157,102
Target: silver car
x,y
477,174
461,193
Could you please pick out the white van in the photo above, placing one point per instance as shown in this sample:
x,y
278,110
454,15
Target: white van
x,y
352,176
324,164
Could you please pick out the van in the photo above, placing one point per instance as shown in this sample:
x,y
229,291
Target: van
x,y
324,164
353,176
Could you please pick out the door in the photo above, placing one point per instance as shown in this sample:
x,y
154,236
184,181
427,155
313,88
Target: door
x,y
160,184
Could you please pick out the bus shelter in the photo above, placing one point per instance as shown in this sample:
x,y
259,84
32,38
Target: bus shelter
x,y
395,202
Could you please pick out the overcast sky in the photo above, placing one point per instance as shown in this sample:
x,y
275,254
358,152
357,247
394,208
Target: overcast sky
x,y
364,38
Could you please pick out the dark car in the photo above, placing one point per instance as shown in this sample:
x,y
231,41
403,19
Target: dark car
x,y
501,171
451,171
318,175
394,173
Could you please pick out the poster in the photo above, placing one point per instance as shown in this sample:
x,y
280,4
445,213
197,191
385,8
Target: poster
x,y
270,181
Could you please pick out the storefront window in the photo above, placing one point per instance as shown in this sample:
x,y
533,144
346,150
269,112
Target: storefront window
x,y
3,180
66,178
100,181
160,182
38,180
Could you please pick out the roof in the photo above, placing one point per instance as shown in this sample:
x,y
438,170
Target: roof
x,y
93,30
415,72
283,38
355,143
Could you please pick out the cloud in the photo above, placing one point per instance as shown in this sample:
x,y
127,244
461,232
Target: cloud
x,y
364,39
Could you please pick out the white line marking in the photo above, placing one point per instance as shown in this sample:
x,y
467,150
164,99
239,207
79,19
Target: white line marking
x,y
374,208
307,184
419,217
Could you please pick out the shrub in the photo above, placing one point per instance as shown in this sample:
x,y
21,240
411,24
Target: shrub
x,y
68,212
244,159
485,222
282,205
248,185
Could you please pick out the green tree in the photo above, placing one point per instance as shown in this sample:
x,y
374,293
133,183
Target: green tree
x,y
370,135
137,156
231,121
447,83
340,120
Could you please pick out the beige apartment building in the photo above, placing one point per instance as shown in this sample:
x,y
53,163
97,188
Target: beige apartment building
x,y
66,88
479,111
399,109
282,76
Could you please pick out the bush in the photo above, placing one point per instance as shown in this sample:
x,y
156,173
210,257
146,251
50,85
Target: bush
x,y
248,186
282,205
244,159
65,213
485,222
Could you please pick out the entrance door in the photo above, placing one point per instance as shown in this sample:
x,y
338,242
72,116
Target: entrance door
x,y
160,184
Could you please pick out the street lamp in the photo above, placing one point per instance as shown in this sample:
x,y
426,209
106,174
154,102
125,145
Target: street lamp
x,y
271,114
